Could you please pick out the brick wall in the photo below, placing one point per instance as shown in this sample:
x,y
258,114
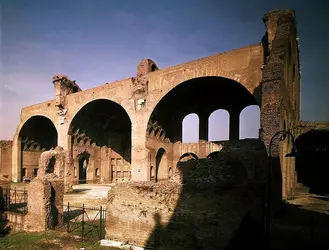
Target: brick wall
x,y
5,158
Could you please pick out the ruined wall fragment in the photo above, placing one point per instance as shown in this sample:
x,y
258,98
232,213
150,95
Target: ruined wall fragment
x,y
140,83
279,25
5,159
201,207
63,87
46,192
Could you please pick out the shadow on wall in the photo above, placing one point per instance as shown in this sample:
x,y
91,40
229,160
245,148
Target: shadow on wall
x,y
218,196
312,165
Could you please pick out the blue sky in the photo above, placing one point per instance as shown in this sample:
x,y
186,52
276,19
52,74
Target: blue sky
x,y
98,41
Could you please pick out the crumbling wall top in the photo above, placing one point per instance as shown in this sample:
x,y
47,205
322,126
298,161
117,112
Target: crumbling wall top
x,y
146,66
6,144
52,164
63,87
64,80
276,18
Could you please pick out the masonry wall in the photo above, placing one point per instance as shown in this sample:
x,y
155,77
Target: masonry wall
x,y
205,211
6,158
104,165
281,94
30,162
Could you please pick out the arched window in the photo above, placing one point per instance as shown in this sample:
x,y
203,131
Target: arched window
x,y
23,172
169,172
152,173
250,122
190,128
97,172
219,125
153,68
161,171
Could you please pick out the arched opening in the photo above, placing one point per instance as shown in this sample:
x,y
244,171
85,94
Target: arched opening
x,y
103,128
35,172
38,134
312,165
153,68
199,96
188,157
51,165
190,128
196,99
170,173
75,89
23,172
152,173
83,167
219,125
97,172
161,165
250,122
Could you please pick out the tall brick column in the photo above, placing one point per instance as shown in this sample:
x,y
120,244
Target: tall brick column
x,y
203,127
139,153
16,159
279,24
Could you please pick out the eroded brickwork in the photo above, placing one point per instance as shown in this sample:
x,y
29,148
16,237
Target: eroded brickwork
x,y
6,159
46,192
202,198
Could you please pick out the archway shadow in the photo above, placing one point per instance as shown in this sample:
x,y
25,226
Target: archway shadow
x,y
312,170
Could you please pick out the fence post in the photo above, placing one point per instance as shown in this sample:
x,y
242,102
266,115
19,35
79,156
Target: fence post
x,y
15,195
82,221
25,199
100,223
104,221
68,217
8,196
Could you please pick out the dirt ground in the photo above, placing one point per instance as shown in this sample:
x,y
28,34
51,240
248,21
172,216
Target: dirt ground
x,y
92,195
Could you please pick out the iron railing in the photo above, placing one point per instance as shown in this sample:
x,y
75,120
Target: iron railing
x,y
87,222
15,199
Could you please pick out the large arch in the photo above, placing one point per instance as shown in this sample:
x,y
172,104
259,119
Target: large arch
x,y
202,96
103,129
37,134
312,164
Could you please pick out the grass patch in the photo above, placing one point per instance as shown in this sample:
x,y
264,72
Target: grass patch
x,y
47,240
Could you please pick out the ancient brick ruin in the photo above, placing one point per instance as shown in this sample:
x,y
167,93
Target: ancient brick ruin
x,y
45,192
130,131
200,207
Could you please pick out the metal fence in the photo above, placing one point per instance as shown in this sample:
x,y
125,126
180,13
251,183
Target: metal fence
x,y
15,199
87,222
